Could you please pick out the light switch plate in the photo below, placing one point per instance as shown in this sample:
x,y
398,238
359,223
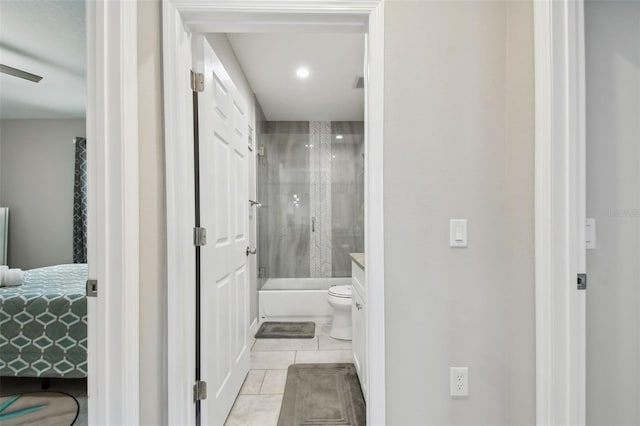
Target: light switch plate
x,y
458,233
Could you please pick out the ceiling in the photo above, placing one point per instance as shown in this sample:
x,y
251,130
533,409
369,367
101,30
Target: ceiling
x,y
46,38
270,61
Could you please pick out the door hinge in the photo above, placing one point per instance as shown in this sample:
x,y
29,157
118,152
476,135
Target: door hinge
x,y
199,237
92,288
200,391
197,81
582,281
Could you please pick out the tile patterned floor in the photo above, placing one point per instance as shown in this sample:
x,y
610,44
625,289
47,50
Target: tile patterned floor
x,y
261,395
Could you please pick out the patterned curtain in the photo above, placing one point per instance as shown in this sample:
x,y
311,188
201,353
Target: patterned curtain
x,y
80,203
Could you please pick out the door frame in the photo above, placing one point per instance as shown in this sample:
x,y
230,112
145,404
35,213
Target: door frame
x,y
559,211
180,17
113,213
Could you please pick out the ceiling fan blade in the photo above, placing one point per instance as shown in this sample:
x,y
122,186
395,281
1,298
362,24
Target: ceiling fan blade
x,y
19,73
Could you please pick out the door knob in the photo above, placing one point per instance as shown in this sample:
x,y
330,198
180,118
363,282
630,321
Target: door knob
x,y
250,251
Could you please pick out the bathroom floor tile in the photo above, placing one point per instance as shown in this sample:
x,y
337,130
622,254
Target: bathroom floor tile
x,y
276,360
323,328
267,345
253,382
327,343
312,357
255,410
274,382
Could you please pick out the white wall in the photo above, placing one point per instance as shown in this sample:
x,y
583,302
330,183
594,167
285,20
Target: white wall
x,y
37,169
459,144
613,199
153,288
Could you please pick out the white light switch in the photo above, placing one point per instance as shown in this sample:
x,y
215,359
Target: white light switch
x,y
458,233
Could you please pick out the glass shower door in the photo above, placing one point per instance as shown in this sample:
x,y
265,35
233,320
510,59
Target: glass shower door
x,y
283,189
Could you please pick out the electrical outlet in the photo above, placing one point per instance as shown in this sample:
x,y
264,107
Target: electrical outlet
x,y
459,381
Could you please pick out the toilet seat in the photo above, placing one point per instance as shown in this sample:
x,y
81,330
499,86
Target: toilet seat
x,y
341,291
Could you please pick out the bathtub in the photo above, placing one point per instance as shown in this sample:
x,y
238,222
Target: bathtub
x,y
296,298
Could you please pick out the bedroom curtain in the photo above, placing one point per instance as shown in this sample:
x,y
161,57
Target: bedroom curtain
x,y
80,203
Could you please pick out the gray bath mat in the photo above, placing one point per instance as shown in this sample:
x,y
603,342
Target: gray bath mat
x,y
322,394
287,330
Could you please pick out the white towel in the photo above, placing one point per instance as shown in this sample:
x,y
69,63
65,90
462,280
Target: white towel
x,y
3,270
12,278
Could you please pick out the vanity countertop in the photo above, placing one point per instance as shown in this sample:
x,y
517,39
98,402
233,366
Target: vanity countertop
x,y
358,258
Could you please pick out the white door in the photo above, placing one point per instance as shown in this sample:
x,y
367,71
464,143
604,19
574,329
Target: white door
x,y
224,196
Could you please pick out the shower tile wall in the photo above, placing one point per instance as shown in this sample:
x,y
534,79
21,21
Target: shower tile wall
x,y
305,174
320,200
347,194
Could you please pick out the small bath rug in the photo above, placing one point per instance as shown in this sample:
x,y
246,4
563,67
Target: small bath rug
x,y
286,330
322,394
38,408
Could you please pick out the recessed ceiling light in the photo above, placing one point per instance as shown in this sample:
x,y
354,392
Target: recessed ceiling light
x,y
339,136
302,72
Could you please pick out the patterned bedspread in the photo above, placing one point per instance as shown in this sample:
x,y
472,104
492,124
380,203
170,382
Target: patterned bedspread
x,y
43,324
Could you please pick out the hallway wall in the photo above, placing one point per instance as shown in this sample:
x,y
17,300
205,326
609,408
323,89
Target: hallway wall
x,y
459,138
613,199
153,272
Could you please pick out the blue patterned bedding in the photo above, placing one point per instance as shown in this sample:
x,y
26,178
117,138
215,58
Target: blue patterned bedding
x,y
43,324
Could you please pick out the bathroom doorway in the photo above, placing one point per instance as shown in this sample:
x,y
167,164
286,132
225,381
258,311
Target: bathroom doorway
x,y
322,18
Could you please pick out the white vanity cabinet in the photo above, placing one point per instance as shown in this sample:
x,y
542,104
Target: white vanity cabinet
x,y
359,323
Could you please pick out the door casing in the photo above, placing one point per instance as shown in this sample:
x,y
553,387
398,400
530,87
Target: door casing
x,y
181,18
113,213
559,211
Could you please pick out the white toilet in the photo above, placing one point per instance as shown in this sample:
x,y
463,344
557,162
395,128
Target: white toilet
x,y
339,297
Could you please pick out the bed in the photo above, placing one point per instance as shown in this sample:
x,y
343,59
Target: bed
x,y
43,324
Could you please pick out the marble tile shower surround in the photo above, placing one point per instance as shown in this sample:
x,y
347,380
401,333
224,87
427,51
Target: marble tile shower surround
x,y
298,182
347,194
320,234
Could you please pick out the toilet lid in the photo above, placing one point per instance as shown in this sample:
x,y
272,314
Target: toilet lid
x,y
340,291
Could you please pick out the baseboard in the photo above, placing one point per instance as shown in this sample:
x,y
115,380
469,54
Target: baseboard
x,y
253,328
317,319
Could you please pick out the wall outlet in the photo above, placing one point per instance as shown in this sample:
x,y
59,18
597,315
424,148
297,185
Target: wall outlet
x,y
459,381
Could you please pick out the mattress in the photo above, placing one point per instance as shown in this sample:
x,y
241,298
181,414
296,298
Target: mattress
x,y
43,324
